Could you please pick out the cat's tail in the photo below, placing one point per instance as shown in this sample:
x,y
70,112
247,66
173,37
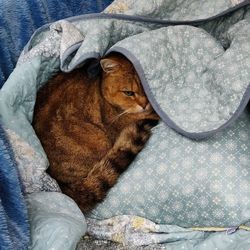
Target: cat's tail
x,y
105,173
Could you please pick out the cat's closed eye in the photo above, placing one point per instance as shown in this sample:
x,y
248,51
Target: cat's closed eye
x,y
129,93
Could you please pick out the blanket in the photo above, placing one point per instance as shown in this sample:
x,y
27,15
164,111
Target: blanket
x,y
14,229
20,18
192,58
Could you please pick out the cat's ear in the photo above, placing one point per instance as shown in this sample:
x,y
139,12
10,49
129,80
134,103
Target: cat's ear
x,y
109,65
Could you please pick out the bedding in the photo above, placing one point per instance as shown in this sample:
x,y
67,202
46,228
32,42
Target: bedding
x,y
20,18
189,188
14,229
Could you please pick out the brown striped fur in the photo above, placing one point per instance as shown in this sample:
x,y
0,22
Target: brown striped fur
x,y
92,129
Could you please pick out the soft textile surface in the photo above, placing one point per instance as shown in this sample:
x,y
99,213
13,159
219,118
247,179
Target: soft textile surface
x,y
134,232
14,228
211,241
57,223
197,80
90,243
20,18
190,184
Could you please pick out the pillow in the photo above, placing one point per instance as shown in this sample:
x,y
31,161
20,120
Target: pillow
x,y
184,182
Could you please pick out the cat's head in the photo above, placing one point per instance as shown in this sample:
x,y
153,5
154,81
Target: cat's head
x,y
121,85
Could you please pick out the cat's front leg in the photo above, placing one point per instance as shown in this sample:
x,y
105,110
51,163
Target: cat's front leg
x,y
92,189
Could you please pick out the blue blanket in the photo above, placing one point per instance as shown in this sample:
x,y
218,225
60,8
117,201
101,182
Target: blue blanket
x,y
14,231
20,18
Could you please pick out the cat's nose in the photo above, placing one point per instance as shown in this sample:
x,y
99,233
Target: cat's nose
x,y
143,103
144,106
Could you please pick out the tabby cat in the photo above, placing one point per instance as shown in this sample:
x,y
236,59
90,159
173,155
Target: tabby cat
x,y
92,129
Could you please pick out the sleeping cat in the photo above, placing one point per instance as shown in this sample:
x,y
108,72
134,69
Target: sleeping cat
x,y
92,129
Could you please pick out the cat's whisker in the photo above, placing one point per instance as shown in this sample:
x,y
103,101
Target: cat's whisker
x,y
118,116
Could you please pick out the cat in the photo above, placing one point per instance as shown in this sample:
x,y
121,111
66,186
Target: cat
x,y
92,129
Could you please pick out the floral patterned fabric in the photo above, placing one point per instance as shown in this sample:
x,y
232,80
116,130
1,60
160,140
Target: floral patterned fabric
x,y
133,232
175,180
193,175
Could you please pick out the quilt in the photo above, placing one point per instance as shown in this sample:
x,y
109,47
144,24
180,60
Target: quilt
x,y
193,59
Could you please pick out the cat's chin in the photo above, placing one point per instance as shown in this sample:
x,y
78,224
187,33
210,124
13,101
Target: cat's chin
x,y
142,115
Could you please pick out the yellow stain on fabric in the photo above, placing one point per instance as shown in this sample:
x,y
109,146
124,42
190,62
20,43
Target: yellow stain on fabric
x,y
138,222
118,237
119,7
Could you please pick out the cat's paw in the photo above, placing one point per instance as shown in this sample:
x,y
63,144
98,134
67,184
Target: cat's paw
x,y
147,124
153,116
134,136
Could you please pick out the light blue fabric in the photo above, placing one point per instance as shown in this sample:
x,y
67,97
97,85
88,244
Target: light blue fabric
x,y
133,231
197,79
187,183
57,223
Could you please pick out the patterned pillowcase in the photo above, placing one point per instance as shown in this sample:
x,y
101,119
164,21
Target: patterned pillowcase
x,y
175,180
